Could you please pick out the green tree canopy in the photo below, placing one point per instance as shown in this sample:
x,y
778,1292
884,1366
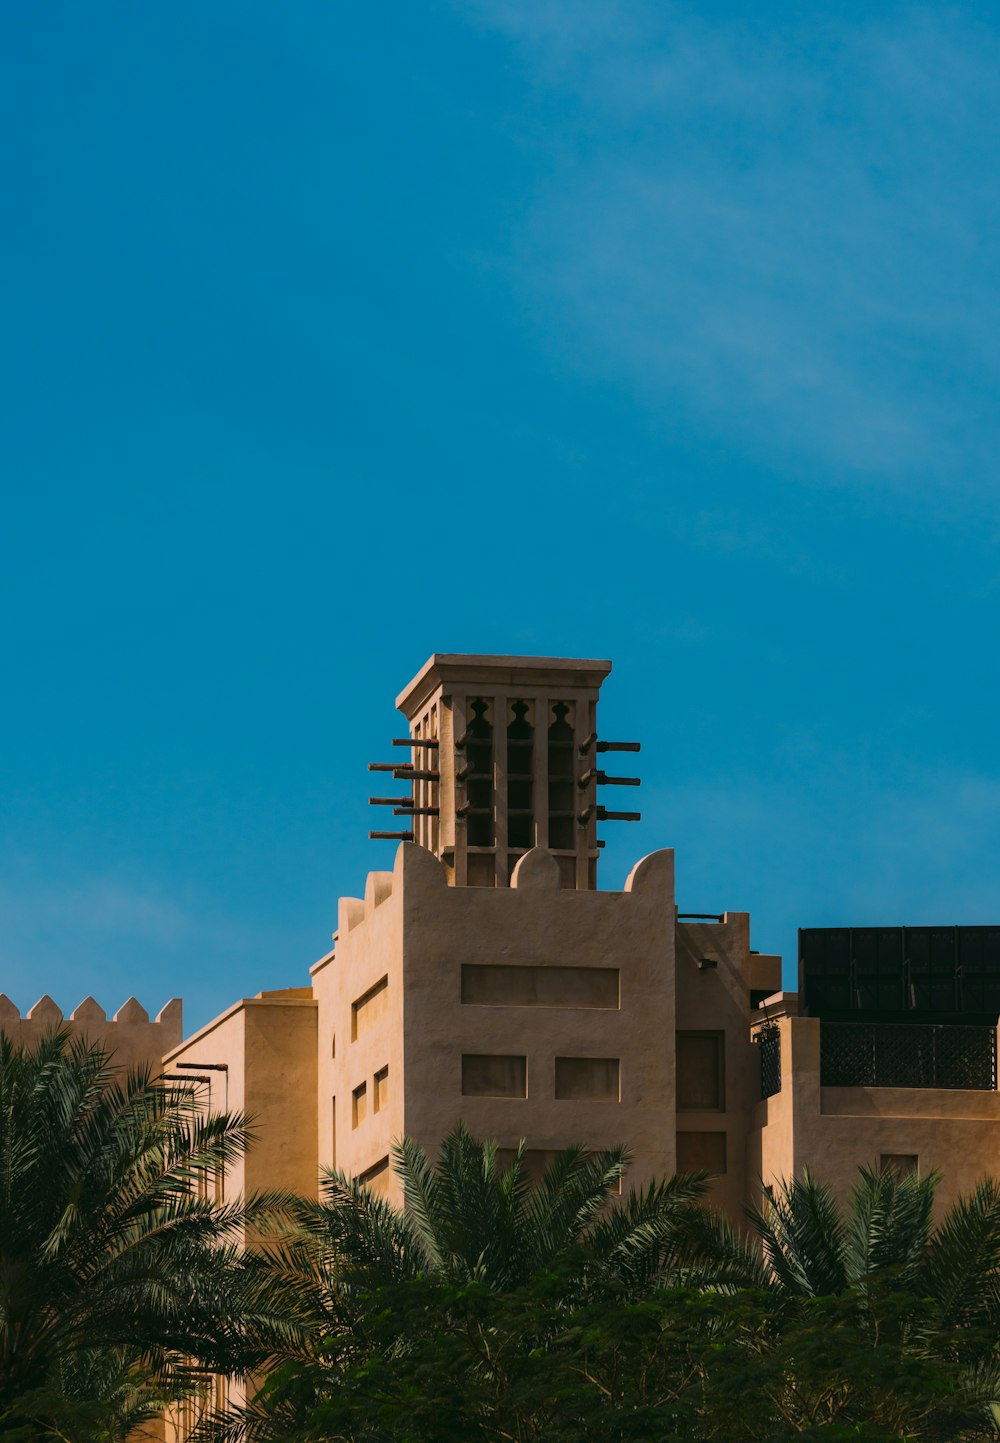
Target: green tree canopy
x,y
119,1271
491,1309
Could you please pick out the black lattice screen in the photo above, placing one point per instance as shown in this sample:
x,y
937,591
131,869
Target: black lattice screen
x,y
768,1039
882,1054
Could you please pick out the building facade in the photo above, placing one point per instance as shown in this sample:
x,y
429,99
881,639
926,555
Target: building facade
x,y
488,979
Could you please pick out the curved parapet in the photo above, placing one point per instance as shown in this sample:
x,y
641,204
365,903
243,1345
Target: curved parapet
x,y
416,866
350,911
536,871
378,886
654,873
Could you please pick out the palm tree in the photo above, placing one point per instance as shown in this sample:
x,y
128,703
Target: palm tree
x,y
479,1254
467,1219
812,1247
120,1279
488,1305
872,1311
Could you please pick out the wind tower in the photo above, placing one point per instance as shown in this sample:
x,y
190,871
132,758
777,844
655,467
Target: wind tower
x,y
504,757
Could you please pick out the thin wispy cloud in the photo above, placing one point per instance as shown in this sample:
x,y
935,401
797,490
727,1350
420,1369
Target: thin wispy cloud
x,y
99,906
787,237
112,936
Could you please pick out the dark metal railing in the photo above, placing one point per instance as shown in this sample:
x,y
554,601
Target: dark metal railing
x,y
768,1039
908,1054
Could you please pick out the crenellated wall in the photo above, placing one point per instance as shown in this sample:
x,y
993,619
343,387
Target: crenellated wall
x,y
130,1035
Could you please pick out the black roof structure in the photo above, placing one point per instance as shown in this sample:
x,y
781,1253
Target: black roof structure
x,y
904,974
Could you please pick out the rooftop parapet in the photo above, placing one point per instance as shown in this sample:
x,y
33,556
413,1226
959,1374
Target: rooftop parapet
x,y
129,1034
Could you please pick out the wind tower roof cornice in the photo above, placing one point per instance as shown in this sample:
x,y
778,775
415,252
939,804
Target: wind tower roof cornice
x,y
503,671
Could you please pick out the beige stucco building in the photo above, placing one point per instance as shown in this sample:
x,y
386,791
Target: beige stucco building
x,y
488,978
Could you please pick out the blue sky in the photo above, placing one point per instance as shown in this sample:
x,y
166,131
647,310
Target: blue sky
x,y
335,335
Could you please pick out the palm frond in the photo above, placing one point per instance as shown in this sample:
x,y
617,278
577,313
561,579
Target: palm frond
x,y
888,1227
802,1236
963,1259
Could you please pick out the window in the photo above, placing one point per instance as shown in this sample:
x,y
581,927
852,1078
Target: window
x,y
494,1076
333,1132
597,1078
562,777
479,773
700,1072
381,1091
359,1105
520,778
368,1008
702,1152
500,985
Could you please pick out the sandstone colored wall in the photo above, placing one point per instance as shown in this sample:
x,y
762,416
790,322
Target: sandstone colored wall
x,y
834,1130
717,999
267,1045
368,948
130,1036
416,931
535,923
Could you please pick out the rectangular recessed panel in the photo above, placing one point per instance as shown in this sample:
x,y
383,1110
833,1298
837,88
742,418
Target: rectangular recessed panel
x,y
481,869
588,1077
902,1163
381,1096
494,1075
699,1071
377,1177
701,1152
368,1008
536,1163
499,985
359,1105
